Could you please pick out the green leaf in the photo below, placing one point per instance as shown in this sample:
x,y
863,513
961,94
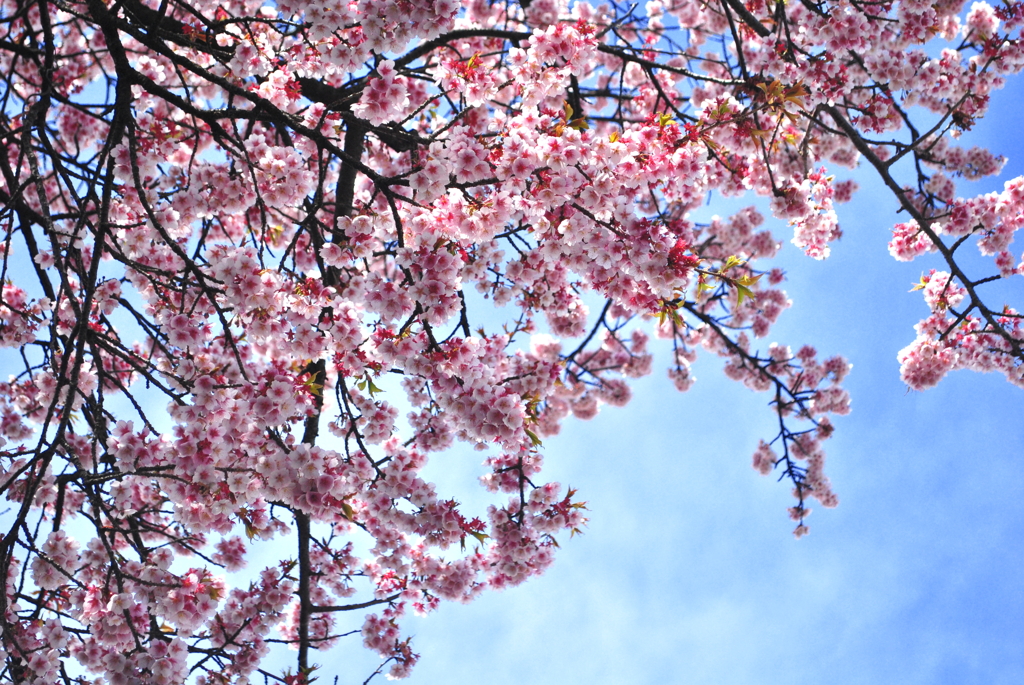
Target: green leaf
x,y
533,438
311,386
748,279
732,261
741,292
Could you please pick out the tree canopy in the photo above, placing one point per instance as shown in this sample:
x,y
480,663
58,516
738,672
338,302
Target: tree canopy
x,y
262,261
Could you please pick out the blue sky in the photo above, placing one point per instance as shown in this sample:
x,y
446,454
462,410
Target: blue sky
x,y
688,572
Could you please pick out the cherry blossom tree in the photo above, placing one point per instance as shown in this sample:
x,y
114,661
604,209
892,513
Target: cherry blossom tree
x,y
241,239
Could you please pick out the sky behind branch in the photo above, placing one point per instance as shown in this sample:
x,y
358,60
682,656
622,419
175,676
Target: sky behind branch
x,y
688,572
